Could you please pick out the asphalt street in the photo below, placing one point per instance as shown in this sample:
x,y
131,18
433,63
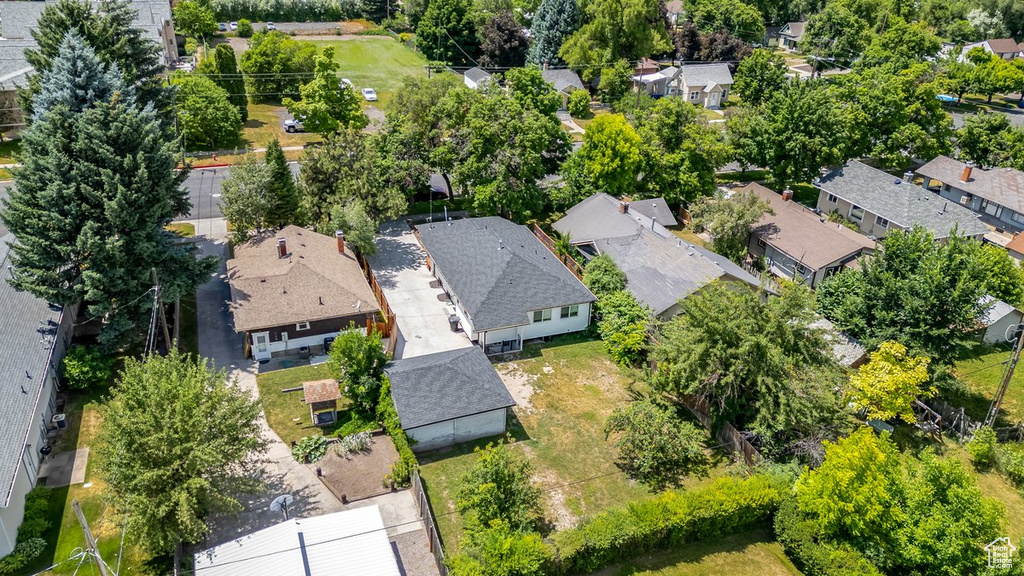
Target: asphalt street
x,y
203,186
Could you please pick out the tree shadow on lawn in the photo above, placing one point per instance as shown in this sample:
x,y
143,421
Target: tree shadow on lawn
x,y
696,553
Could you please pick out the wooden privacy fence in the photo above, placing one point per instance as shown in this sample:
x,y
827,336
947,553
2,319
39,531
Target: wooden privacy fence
x,y
727,434
427,516
390,325
569,263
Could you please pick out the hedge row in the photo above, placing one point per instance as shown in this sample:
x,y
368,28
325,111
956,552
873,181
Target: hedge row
x,y
803,541
401,471
289,10
30,543
726,506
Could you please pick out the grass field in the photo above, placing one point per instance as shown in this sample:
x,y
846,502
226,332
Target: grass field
x,y
753,553
378,62
575,386
264,124
8,149
688,235
982,373
288,414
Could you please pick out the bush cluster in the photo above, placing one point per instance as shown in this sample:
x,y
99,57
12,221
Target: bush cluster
x,y
310,449
288,10
245,29
579,104
805,543
387,415
85,367
726,506
623,327
984,448
30,543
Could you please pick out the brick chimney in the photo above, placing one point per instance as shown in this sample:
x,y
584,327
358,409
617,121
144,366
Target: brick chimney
x,y
282,248
966,176
623,207
787,195
340,236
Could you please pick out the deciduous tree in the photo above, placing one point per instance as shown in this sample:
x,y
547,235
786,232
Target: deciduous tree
x,y
901,46
446,32
602,276
739,18
498,488
610,156
246,199
834,36
888,384
275,66
503,42
729,220
176,439
357,361
614,29
206,117
760,75
327,105
222,68
194,19
655,446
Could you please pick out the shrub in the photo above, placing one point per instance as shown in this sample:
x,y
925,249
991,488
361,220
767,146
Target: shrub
x,y
623,326
85,367
358,442
726,506
803,540
1010,458
401,471
602,276
983,448
37,504
23,553
498,488
499,550
655,446
358,360
579,103
310,449
244,28
404,37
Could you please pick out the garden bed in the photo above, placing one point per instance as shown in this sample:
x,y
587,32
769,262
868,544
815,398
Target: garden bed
x,y
359,475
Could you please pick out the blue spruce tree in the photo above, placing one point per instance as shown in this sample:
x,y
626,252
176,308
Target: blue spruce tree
x,y
554,21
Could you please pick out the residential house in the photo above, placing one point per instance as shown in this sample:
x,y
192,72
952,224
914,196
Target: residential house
x,y
352,541
878,203
476,78
996,194
1005,48
17,20
999,321
1016,246
565,82
799,244
449,397
660,268
674,12
791,34
705,85
33,338
293,291
505,285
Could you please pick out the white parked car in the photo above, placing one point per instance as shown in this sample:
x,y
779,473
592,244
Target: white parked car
x,y
346,82
369,94
270,26
233,25
293,125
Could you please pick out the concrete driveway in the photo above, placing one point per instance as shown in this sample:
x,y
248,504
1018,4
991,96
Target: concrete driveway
x,y
400,266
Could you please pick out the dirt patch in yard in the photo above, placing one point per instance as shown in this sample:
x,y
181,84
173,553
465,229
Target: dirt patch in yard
x,y
558,512
360,475
518,383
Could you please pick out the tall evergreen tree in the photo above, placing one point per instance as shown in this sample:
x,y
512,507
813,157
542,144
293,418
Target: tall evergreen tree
x,y
554,21
96,188
282,187
108,29
229,78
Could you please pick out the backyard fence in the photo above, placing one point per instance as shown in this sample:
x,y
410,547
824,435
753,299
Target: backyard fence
x,y
390,321
427,516
569,263
727,434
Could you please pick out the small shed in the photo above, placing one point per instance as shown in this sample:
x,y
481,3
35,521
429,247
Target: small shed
x,y
449,397
476,78
322,397
998,320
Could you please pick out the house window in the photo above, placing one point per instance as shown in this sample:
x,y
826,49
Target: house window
x,y
801,269
694,95
881,222
832,199
856,213
302,326
542,315
761,243
569,311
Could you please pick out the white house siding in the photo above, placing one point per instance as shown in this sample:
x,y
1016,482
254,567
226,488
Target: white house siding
x,y
293,344
501,335
996,333
12,515
867,225
1006,218
464,429
557,325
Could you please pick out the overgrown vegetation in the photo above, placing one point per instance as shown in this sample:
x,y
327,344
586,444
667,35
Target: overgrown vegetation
x,y
655,446
622,321
86,367
310,449
401,471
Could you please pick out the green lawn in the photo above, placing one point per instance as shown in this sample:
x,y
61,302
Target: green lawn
x,y
575,387
8,149
981,372
378,62
688,235
747,176
288,414
805,194
753,553
265,124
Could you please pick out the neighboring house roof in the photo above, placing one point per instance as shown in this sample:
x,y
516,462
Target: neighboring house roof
x,y
996,311
794,30
902,203
655,208
695,75
313,282
444,386
1004,186
598,217
353,541
660,271
476,74
1003,45
499,270
804,235
28,328
846,350
1016,244
563,79
674,6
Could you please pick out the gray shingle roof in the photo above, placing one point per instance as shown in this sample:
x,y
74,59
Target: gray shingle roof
x,y
499,270
476,74
695,75
655,208
1004,186
903,204
27,329
446,385
997,310
598,217
563,79
794,30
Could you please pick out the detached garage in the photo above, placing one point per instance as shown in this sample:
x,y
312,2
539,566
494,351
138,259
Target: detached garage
x,y
450,397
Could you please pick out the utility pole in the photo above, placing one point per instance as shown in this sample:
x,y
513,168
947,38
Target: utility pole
x,y
998,402
163,314
90,542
